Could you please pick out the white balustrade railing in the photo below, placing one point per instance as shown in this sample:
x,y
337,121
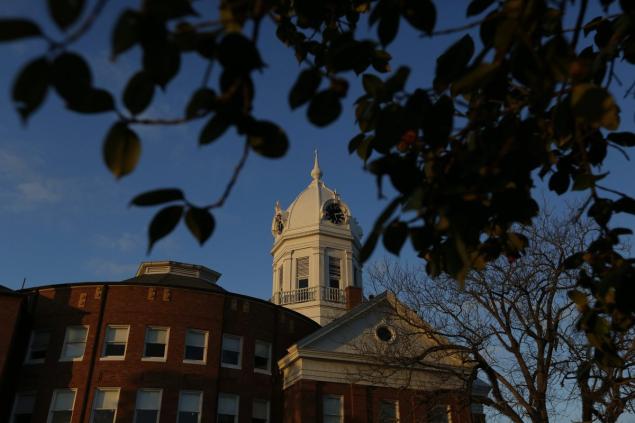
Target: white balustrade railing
x,y
302,295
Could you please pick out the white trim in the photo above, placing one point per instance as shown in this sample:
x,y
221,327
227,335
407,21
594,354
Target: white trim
x,y
54,396
15,403
30,348
104,357
240,352
268,370
103,389
200,403
190,361
64,345
167,343
160,391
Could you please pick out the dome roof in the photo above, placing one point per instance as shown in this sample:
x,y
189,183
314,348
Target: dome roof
x,y
307,210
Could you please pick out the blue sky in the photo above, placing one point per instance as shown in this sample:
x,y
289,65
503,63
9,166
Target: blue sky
x,y
64,218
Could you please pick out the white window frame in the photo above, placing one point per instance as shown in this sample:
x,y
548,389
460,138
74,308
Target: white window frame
x,y
236,416
167,343
264,371
268,408
27,358
160,391
190,361
240,352
15,403
105,357
92,408
395,404
62,357
200,403
49,418
341,401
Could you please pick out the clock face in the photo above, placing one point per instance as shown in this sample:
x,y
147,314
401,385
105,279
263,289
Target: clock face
x,y
334,213
279,224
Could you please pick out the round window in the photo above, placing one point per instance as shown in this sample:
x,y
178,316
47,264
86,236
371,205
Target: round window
x,y
384,333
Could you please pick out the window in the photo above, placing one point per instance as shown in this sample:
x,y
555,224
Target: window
x,y
74,343
148,406
230,356
334,272
61,409
438,414
38,345
332,409
262,357
227,408
23,408
190,407
156,342
115,342
302,272
260,411
280,277
195,346
105,405
389,411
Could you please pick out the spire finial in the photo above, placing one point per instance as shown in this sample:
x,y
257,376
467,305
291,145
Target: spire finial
x,y
316,172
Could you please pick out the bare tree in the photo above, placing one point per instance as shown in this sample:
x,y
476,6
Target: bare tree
x,y
514,325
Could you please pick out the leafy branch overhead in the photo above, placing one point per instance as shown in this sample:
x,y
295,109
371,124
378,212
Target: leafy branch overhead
x,y
529,97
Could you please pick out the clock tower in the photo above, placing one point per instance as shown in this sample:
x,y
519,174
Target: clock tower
x,y
315,252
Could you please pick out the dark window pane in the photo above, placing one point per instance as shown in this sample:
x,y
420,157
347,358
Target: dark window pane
x,y
103,416
146,416
257,420
38,354
155,350
225,418
194,353
61,416
230,357
303,283
22,418
188,417
334,283
261,363
115,349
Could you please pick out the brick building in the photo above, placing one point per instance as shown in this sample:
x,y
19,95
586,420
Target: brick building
x,y
171,345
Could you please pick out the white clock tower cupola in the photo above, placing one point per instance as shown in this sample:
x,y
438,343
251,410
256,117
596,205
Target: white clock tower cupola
x,y
315,252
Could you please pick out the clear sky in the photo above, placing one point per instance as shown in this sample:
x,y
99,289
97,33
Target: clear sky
x,y
64,218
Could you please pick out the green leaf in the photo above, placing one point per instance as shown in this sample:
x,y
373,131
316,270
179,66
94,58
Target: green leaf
x,y
71,76
14,29
378,227
214,128
395,236
578,298
30,87
202,102
267,139
157,196
163,223
585,181
421,14
474,79
239,54
92,100
138,93
452,63
121,150
355,142
65,12
325,107
573,261
305,87
625,139
559,182
397,81
388,23
625,205
595,105
200,222
476,7
162,63
126,32
373,85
